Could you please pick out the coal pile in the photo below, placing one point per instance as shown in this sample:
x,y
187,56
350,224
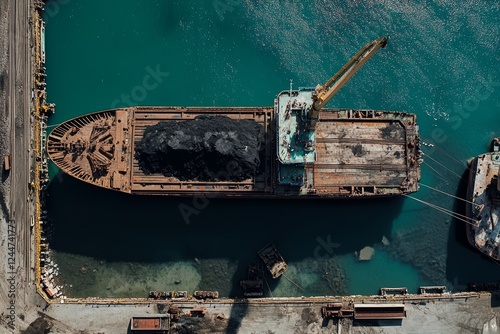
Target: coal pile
x,y
207,148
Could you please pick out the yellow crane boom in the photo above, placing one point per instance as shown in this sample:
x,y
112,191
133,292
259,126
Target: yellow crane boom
x,y
323,94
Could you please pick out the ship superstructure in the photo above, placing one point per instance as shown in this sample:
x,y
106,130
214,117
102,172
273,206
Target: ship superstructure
x,y
307,151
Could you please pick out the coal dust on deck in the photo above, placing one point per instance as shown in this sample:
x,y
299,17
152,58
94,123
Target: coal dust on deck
x,y
207,148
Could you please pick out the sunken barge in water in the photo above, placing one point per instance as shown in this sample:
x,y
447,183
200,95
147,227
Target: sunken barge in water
x,y
483,206
273,260
293,149
253,286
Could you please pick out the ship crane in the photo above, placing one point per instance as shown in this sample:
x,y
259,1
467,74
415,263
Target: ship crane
x,y
323,94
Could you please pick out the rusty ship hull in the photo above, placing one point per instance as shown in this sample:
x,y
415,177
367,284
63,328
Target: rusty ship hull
x,y
359,153
483,207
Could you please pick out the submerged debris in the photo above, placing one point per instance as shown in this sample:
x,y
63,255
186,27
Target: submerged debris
x,y
207,148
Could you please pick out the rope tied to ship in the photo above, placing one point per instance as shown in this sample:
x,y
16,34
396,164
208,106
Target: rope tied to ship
x,y
445,193
293,283
446,153
269,288
448,169
438,173
455,215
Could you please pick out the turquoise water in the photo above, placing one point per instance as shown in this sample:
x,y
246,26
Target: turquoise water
x,y
442,63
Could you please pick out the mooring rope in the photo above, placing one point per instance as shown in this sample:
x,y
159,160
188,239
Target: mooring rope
x,y
445,211
438,173
461,162
268,287
293,283
445,193
455,215
51,126
428,156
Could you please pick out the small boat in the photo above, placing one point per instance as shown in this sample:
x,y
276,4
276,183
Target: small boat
x,y
160,294
180,294
273,260
206,294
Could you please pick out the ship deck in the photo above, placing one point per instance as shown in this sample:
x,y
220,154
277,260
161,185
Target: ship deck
x,y
359,153
94,148
485,233
159,184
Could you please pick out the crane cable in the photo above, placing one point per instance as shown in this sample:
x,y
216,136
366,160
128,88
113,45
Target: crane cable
x,y
455,215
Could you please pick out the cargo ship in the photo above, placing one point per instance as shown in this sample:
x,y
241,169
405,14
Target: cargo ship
x,y
483,206
305,150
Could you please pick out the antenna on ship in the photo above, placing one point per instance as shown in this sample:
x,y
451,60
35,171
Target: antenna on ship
x,y
291,86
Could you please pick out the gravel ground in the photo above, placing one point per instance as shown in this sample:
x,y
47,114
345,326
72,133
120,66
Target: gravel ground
x,y
473,315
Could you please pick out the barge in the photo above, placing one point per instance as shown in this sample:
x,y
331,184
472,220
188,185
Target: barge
x,y
253,286
483,206
273,260
306,151
206,294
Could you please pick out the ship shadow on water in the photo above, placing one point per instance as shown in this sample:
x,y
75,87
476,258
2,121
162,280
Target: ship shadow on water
x,y
465,264
113,227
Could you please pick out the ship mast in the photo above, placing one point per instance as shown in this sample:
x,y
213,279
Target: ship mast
x,y
323,94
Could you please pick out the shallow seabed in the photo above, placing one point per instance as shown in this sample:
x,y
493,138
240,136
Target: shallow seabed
x,y
442,63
